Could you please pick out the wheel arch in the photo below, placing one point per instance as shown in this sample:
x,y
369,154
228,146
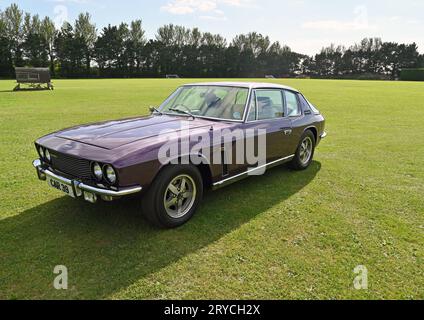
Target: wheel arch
x,y
204,167
314,131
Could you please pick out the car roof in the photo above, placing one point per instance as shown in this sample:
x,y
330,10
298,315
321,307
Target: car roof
x,y
250,85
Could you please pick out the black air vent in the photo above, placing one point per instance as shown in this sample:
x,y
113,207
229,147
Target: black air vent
x,y
75,167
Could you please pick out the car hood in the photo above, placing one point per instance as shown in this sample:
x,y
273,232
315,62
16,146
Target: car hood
x,y
114,134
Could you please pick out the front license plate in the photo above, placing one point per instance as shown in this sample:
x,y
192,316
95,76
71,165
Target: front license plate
x,y
65,188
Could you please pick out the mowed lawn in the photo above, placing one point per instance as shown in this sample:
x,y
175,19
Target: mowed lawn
x,y
284,235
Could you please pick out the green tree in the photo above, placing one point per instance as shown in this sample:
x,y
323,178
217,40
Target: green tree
x,y
421,61
13,20
397,56
252,49
49,33
34,46
69,49
136,43
110,50
6,59
86,31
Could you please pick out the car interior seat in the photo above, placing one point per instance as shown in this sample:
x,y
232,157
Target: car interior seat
x,y
265,108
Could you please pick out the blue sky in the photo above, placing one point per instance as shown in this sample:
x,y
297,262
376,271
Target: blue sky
x,y
304,25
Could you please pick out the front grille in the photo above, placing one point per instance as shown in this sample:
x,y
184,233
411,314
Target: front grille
x,y
78,168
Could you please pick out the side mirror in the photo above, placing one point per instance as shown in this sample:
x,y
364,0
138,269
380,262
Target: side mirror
x,y
154,110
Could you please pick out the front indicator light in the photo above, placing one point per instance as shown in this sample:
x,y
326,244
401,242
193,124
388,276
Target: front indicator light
x,y
42,153
90,197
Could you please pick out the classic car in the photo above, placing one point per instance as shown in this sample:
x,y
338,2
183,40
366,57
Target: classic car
x,y
114,159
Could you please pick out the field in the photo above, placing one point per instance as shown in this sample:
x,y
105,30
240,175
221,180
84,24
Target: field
x,y
284,235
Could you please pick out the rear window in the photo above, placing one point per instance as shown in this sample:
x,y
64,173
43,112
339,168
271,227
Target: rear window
x,y
306,105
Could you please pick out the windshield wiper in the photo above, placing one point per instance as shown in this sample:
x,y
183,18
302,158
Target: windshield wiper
x,y
183,112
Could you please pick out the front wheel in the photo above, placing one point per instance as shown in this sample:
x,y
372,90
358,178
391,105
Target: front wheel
x,y
174,196
305,152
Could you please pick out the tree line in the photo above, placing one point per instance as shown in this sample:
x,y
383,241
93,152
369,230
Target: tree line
x,y
80,50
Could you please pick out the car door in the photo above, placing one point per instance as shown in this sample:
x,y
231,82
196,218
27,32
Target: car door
x,y
297,119
267,112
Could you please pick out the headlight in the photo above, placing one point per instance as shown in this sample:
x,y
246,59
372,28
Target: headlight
x,y
48,156
41,151
110,174
97,171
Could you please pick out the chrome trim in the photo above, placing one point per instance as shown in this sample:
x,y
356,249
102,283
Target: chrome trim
x,y
79,186
200,117
324,135
242,175
104,192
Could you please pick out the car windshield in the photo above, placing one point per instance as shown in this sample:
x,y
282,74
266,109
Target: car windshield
x,y
215,102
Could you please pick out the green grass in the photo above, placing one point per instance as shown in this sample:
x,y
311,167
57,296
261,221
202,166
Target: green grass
x,y
285,235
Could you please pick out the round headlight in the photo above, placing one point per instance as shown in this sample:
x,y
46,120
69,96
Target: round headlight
x,y
97,171
110,174
48,156
41,151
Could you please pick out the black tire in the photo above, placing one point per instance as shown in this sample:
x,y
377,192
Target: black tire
x,y
153,202
299,162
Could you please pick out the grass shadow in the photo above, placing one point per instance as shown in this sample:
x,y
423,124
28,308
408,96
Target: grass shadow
x,y
24,90
107,247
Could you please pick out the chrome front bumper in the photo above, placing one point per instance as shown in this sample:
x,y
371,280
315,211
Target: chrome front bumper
x,y
81,188
324,135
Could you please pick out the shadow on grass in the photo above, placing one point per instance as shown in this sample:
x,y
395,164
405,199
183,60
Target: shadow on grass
x,y
107,247
25,90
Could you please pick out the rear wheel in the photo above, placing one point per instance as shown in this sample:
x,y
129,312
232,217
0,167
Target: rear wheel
x,y
174,196
305,152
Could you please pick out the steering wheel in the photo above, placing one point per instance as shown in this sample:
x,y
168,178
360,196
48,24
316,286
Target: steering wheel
x,y
213,103
181,105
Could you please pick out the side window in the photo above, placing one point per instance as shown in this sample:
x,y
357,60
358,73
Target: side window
x,y
269,104
293,109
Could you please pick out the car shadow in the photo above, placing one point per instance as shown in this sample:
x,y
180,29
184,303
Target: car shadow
x,y
107,247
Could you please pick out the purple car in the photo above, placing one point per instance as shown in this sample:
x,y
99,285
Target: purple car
x,y
205,135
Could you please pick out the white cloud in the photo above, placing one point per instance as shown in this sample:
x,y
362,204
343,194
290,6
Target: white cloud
x,y
209,9
182,7
71,1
